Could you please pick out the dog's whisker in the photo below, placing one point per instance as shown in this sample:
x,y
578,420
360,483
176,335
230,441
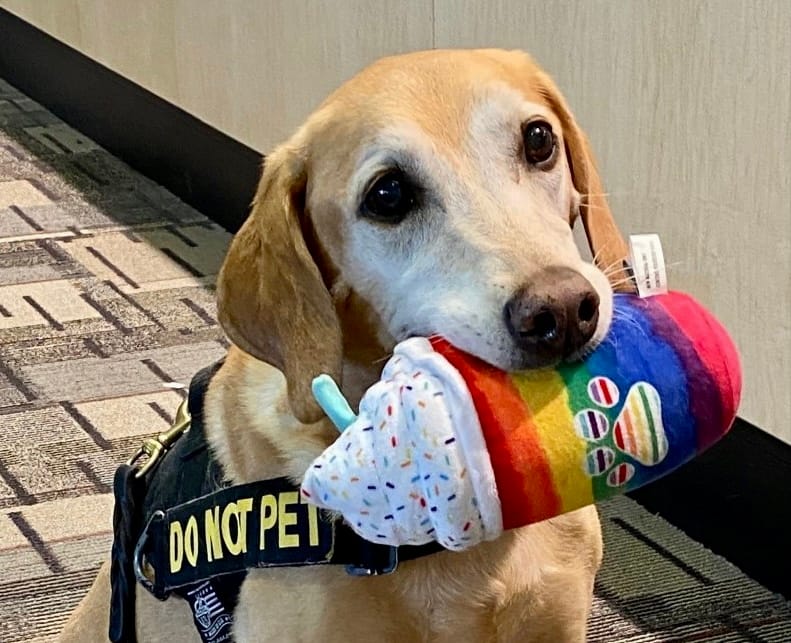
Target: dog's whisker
x,y
615,266
606,194
617,281
612,268
615,285
623,280
595,194
596,256
615,277
593,206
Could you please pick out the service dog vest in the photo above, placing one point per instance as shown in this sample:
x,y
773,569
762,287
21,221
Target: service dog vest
x,y
182,529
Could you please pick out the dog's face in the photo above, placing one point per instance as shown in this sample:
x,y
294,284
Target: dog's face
x,y
433,194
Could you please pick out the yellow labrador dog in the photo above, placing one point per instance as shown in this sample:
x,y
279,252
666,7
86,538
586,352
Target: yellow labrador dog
x,y
433,193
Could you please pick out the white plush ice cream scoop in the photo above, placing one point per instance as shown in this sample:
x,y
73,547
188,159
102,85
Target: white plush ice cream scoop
x,y
413,466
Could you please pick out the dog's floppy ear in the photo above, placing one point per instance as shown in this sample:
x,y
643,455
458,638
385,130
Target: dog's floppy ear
x,y
271,299
605,240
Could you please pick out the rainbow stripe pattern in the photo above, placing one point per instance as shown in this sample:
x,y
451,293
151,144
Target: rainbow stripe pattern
x,y
662,387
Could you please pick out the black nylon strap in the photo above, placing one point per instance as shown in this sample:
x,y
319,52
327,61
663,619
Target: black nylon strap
x,y
256,525
128,493
261,524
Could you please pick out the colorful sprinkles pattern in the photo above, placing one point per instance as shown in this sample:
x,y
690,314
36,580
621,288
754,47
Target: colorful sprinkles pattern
x,y
398,474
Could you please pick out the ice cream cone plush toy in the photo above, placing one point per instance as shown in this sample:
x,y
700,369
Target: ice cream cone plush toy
x,y
449,448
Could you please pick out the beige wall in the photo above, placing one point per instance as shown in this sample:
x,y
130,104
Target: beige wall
x,y
252,68
686,101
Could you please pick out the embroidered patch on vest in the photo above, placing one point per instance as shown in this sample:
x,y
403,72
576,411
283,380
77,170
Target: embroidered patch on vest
x,y
211,617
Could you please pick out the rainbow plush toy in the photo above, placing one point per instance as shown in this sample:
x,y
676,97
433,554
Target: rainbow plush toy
x,y
449,448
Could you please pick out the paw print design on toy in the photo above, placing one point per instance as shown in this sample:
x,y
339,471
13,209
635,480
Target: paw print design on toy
x,y
618,437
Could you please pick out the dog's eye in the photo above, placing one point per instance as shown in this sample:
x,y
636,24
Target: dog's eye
x,y
540,142
390,198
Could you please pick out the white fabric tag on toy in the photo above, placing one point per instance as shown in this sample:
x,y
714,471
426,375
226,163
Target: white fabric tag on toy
x,y
648,264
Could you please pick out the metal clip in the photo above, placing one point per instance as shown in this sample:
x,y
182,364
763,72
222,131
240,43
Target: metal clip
x,y
139,555
386,563
159,445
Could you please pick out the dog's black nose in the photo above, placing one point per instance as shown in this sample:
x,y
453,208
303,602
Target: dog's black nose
x,y
554,316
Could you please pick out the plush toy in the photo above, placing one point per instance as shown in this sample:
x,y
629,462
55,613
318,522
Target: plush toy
x,y
449,448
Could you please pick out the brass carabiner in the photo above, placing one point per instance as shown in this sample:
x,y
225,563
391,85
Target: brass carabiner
x,y
156,447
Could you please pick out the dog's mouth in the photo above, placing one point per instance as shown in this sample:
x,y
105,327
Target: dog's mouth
x,y
510,361
533,330
501,352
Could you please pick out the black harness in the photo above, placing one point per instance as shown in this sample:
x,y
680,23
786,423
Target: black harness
x,y
181,528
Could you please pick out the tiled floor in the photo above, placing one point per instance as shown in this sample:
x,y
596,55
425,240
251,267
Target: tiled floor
x,y
104,299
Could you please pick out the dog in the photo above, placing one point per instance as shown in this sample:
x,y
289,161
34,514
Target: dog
x,y
432,194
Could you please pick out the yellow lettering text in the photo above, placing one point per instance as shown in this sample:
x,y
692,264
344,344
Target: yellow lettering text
x,y
212,529
245,506
313,523
238,510
176,547
286,518
191,541
268,517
